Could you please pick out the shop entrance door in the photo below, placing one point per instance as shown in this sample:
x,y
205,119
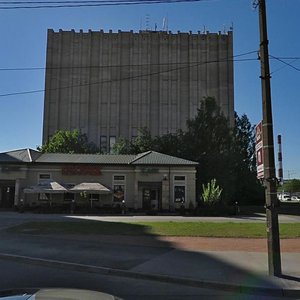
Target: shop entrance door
x,y
7,196
151,198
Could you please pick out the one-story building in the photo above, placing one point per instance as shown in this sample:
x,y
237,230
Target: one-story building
x,y
146,181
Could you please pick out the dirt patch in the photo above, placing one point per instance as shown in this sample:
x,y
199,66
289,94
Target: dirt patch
x,y
229,244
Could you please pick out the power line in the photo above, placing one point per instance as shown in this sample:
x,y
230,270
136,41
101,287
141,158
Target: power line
x,y
74,4
147,65
122,66
286,63
120,79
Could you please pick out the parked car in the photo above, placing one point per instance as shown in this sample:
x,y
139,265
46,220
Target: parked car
x,y
284,197
295,198
55,294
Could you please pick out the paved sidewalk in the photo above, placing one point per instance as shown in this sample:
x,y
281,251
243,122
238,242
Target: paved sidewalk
x,y
189,261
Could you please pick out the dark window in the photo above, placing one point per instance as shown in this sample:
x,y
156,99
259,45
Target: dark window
x,y
94,197
44,176
69,196
103,143
179,193
119,177
179,178
112,141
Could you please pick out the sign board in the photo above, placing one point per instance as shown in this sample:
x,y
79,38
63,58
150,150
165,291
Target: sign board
x,y
77,169
259,151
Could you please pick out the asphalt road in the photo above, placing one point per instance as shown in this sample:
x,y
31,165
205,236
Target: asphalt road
x,y
21,275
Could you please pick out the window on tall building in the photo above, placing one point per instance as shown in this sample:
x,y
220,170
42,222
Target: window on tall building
x,y
103,143
112,141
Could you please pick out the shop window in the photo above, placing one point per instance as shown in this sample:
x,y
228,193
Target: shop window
x,y
119,192
179,193
69,196
119,182
44,197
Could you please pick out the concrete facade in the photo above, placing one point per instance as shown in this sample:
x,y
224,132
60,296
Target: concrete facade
x,y
110,85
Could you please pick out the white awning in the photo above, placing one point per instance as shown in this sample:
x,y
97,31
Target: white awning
x,y
46,187
90,187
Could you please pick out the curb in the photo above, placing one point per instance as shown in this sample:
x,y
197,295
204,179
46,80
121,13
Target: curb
x,y
156,277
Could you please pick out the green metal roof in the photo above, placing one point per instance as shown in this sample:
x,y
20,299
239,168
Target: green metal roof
x,y
21,156
85,158
146,158
156,158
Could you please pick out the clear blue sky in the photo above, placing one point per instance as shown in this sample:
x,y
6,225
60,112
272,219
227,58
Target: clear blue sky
x,y
23,44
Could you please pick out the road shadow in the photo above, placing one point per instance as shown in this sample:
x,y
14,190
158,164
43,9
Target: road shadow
x,y
132,248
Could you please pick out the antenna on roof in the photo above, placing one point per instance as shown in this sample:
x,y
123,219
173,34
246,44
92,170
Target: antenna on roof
x,y
165,24
147,22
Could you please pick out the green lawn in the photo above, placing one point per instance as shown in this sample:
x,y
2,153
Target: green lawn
x,y
204,229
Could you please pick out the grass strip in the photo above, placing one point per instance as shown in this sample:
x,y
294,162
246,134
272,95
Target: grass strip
x,y
200,229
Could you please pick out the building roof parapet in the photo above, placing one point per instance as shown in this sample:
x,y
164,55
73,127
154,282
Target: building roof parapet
x,y
101,31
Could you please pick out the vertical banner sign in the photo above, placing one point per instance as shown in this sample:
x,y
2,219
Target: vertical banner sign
x,y
259,151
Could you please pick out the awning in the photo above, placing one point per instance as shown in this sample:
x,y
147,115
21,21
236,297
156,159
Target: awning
x,y
90,187
46,187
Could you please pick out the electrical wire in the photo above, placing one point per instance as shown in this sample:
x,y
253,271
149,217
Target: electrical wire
x,y
117,66
124,78
286,63
74,4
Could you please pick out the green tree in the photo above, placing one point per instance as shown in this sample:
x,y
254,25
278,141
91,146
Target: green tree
x,y
144,142
290,186
208,140
121,146
64,141
248,190
223,153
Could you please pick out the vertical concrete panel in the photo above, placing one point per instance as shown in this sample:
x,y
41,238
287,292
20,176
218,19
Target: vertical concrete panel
x,y
184,79
48,86
94,82
155,84
212,68
126,75
230,78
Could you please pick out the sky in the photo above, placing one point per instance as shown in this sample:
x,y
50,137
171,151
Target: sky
x,y
23,35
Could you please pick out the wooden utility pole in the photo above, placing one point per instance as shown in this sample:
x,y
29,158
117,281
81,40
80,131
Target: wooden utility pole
x,y
270,180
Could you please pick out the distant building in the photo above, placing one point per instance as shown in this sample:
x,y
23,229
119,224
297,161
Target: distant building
x,y
109,85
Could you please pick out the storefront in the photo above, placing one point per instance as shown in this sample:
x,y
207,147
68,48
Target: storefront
x,y
147,181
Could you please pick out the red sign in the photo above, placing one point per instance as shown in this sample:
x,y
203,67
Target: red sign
x,y
259,151
81,170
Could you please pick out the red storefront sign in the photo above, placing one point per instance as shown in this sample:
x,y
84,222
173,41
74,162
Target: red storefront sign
x,y
259,151
81,170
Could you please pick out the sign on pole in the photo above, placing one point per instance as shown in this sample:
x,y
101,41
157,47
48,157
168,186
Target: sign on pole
x,y
259,151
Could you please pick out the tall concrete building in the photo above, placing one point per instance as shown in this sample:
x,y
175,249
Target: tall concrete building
x,y
109,85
